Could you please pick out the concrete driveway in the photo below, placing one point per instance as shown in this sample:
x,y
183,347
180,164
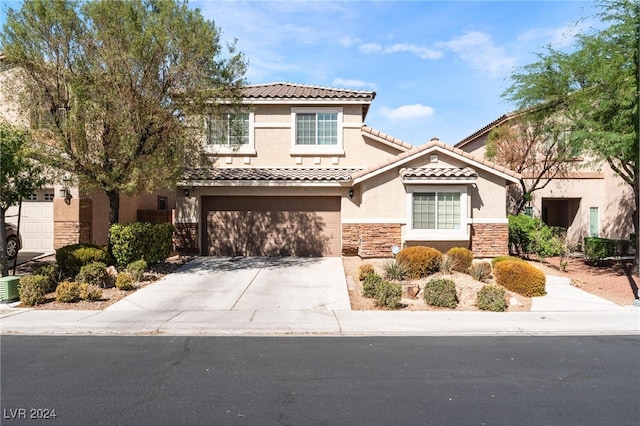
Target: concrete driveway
x,y
246,283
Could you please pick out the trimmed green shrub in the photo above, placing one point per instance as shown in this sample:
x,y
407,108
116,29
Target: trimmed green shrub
x,y
520,277
370,285
420,261
394,270
124,281
94,273
68,292
461,259
388,295
530,235
441,292
71,258
52,274
364,270
480,271
499,259
32,289
89,292
596,249
492,298
140,240
136,269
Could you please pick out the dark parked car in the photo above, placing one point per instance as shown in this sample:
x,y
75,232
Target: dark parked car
x,y
13,242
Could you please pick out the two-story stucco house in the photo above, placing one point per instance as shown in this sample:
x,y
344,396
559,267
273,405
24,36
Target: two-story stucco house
x,y
591,201
301,174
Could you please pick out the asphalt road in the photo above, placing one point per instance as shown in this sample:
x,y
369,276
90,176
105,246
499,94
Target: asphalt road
x,y
157,380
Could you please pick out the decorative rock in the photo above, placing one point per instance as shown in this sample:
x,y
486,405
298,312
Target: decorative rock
x,y
411,291
514,302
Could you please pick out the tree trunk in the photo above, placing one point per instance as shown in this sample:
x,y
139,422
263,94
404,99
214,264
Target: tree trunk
x,y
4,262
114,211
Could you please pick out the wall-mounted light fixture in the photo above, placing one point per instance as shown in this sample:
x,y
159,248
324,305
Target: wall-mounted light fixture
x,y
65,192
186,192
351,193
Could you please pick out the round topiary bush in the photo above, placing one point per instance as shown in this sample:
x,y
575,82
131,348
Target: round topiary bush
x,y
388,295
461,259
492,298
441,292
94,273
89,292
420,261
68,292
499,259
124,281
364,270
520,277
32,289
370,285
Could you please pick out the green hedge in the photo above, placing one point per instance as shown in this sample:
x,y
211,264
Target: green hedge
x,y
596,249
528,235
140,240
73,257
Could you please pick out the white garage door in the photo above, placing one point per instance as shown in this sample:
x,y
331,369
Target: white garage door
x,y
36,222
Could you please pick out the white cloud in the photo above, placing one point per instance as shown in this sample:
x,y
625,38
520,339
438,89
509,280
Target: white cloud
x,y
407,112
348,41
352,84
420,51
479,51
558,37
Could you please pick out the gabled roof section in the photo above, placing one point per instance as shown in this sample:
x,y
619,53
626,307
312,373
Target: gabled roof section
x,y
431,147
279,91
386,139
486,129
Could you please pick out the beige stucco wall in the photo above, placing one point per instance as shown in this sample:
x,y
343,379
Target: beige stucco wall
x,y
10,108
272,129
612,196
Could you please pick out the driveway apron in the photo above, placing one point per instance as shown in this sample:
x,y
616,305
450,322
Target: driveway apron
x,y
246,283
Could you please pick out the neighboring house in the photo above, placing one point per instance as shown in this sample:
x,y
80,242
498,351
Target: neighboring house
x,y
591,201
62,213
299,173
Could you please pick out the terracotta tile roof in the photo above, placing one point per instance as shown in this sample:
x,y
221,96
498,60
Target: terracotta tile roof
x,y
430,146
438,173
269,174
495,123
303,91
366,130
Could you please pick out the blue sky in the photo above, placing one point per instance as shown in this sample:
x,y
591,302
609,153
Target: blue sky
x,y
438,68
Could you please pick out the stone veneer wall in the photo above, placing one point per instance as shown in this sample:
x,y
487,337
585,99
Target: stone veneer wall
x,y
489,239
66,233
186,238
370,239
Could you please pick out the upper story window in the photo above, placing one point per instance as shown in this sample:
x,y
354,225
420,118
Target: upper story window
x,y
317,128
316,131
230,133
228,129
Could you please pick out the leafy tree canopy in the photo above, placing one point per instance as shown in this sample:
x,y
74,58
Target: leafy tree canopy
x,y
115,84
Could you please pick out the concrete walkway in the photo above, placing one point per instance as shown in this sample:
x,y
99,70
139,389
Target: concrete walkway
x,y
565,310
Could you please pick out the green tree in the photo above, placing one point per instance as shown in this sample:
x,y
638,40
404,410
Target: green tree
x,y
596,88
118,84
20,177
536,145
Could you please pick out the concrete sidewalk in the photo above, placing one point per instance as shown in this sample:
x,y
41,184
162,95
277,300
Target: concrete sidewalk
x,y
565,310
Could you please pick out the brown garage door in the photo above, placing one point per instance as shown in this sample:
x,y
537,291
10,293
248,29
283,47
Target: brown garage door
x,y
271,226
